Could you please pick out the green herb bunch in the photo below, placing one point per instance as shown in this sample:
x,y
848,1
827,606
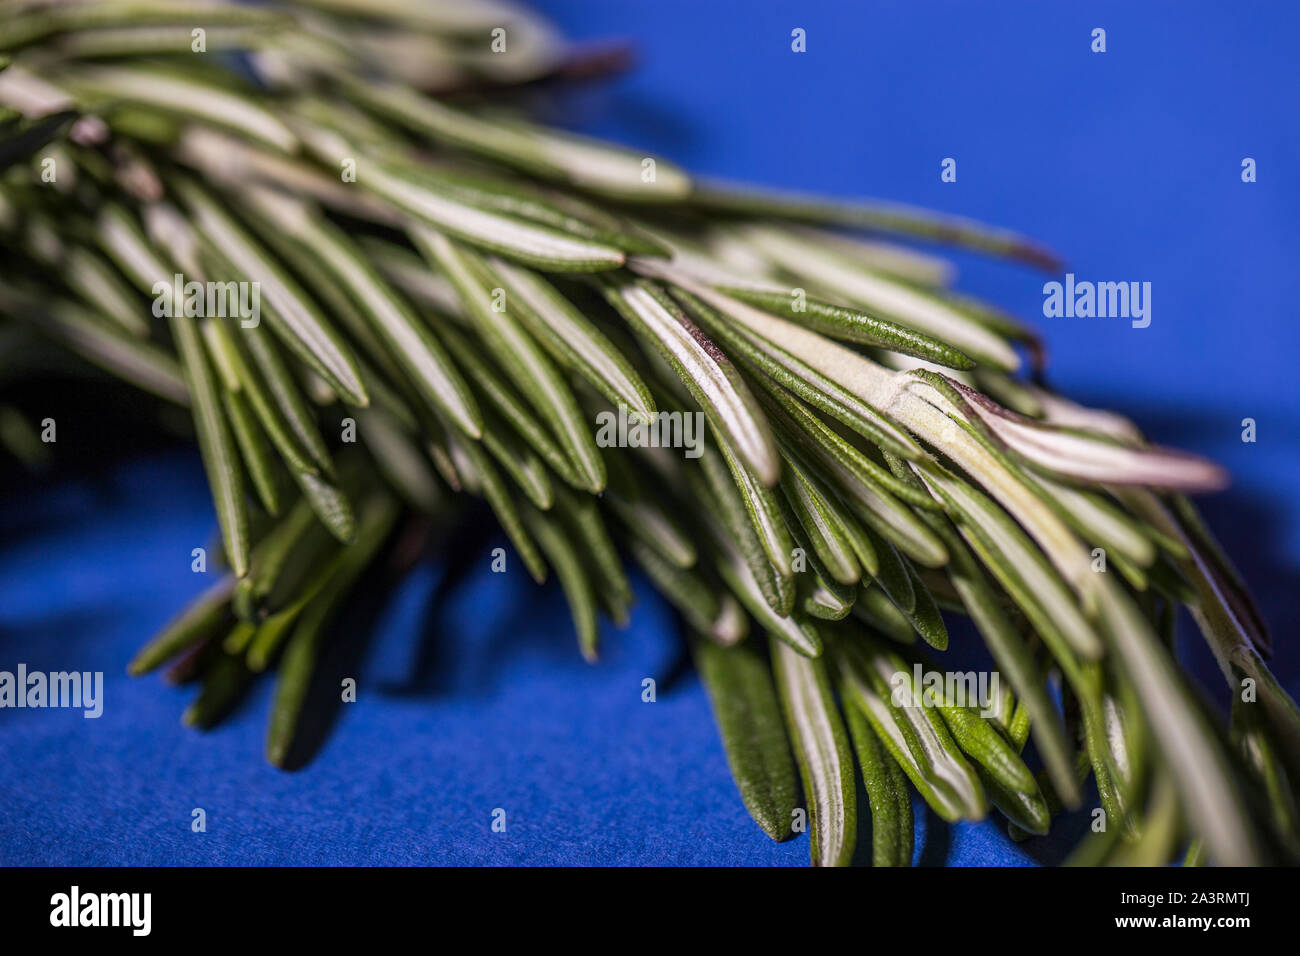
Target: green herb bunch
x,y
468,291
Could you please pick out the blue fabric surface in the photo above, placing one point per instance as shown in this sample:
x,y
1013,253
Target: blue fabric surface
x,y
1127,162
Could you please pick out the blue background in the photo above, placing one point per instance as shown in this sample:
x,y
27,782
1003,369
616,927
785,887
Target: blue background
x,y
1127,162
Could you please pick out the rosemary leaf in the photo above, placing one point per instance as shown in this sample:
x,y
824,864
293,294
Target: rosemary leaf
x,y
916,738
749,719
533,245
573,340
535,374
821,748
196,623
225,476
695,597
880,216
855,326
408,339
172,93
887,792
253,449
582,162
292,315
703,369
303,648
573,579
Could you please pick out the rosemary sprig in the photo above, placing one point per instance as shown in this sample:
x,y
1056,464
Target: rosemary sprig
x,y
483,288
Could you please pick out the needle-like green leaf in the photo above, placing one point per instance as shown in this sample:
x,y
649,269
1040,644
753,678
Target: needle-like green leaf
x,y
196,623
800,427
876,610
330,504
765,516
85,333
892,576
1018,565
519,462
826,500
230,353
1078,455
821,747
253,448
220,461
749,719
572,339
536,246
289,403
509,406
925,615
775,582
475,465
269,558
800,635
535,374
120,235
888,298
695,597
768,361
24,27
647,516
876,215
512,197
292,314
171,92
573,579
982,742
304,645
399,458
1196,758
104,288
593,165
703,369
408,339
879,683
582,518
887,792
822,526
224,681
1014,659
853,325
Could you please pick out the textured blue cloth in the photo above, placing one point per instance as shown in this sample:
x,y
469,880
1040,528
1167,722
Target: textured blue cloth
x,y
1128,162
